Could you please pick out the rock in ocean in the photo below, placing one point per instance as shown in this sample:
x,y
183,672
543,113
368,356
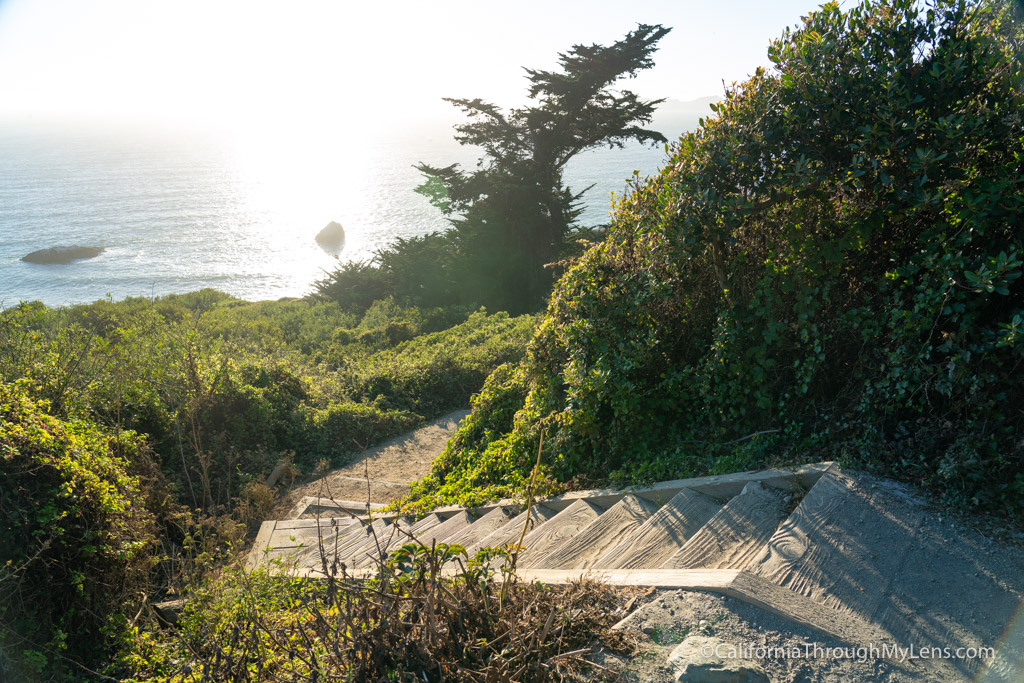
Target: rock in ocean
x,y
332,238
62,255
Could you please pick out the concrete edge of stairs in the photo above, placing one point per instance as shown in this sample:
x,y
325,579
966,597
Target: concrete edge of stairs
x,y
720,486
735,582
307,504
836,553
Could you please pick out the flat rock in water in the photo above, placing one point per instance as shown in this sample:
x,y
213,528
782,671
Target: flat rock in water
x,y
62,255
701,659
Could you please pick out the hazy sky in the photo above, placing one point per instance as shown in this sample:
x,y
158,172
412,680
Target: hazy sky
x,y
254,64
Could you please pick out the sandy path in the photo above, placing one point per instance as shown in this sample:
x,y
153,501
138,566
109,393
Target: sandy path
x,y
384,472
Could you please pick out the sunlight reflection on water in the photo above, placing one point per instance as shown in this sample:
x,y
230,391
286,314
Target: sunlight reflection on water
x,y
177,214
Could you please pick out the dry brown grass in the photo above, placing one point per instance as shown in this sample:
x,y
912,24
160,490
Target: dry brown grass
x,y
414,621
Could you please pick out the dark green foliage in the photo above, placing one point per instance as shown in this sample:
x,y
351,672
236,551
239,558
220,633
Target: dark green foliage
x,y
349,427
423,271
440,371
512,214
487,459
76,540
829,267
355,285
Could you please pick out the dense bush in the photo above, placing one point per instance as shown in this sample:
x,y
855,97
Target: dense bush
x,y
423,271
76,540
489,458
440,371
349,427
829,267
224,389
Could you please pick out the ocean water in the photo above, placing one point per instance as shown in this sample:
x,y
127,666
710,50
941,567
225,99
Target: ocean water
x,y
179,212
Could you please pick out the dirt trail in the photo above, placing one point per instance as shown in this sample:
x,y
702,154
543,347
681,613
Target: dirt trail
x,y
385,471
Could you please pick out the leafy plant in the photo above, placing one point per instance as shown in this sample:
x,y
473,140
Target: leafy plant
x,y
76,542
828,268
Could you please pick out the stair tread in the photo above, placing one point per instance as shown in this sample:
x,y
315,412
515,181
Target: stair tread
x,y
447,528
483,527
558,529
293,537
861,547
312,523
510,533
330,536
594,540
654,542
833,533
429,522
338,547
736,534
373,547
366,555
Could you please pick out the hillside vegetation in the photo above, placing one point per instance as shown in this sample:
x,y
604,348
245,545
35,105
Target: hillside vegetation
x,y
76,543
135,438
829,268
223,389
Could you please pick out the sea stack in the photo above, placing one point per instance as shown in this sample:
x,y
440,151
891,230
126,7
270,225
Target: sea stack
x,y
62,255
332,238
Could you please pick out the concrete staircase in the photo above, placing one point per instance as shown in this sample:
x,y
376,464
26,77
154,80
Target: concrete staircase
x,y
840,554
720,522
700,533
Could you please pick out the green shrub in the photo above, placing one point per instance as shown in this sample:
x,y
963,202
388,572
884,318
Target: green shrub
x,y
487,459
355,286
829,267
225,389
350,427
76,542
438,372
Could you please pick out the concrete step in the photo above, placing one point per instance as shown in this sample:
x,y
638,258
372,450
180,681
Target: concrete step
x,y
513,530
377,546
585,548
339,547
429,522
428,533
396,541
650,546
865,547
294,536
558,529
452,525
736,534
483,527
286,539
283,539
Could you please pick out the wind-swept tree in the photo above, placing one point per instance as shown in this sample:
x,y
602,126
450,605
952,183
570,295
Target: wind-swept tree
x,y
513,213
